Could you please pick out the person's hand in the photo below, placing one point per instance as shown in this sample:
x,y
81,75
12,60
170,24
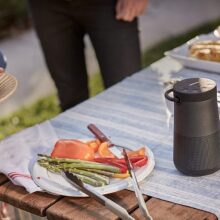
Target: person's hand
x,y
127,10
1,71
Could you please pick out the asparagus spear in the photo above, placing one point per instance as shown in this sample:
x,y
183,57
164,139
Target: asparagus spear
x,y
93,173
89,180
64,160
49,167
102,172
98,177
81,164
86,176
92,166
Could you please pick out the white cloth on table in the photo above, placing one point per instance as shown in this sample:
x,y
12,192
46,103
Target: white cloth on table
x,y
18,152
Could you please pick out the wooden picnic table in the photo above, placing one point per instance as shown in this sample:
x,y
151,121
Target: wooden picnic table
x,y
60,207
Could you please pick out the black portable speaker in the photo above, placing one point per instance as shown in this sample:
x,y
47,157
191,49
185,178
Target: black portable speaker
x,y
196,126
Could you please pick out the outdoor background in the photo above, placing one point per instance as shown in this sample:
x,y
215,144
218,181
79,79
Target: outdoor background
x,y
164,25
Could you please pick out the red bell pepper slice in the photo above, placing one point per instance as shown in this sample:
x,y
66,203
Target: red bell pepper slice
x,y
137,161
141,163
113,162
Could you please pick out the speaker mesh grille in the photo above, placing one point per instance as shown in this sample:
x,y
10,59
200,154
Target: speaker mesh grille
x,y
197,153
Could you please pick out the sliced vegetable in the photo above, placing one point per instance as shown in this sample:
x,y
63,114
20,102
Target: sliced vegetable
x,y
72,149
94,144
105,160
121,175
79,158
104,151
122,167
141,163
137,161
139,152
134,159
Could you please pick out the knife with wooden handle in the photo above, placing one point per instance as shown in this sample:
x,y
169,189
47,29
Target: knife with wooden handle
x,y
98,134
103,138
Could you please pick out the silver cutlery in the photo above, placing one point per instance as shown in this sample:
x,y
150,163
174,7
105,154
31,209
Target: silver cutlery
x,y
139,196
109,204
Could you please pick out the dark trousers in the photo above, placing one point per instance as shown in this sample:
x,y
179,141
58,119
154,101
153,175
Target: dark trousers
x,y
61,26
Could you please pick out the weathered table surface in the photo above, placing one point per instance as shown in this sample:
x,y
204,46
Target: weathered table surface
x,y
59,207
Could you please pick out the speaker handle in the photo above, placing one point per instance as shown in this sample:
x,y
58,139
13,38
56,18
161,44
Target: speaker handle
x,y
172,99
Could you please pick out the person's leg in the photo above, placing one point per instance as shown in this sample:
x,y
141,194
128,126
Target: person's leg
x,y
116,42
61,38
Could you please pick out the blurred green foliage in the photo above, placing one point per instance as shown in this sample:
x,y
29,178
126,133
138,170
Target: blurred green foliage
x,y
42,110
95,84
48,107
13,14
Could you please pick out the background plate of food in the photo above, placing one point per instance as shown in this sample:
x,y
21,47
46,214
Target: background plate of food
x,y
97,167
201,52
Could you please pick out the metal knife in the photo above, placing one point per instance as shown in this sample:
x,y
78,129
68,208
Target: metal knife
x,y
137,191
109,204
103,138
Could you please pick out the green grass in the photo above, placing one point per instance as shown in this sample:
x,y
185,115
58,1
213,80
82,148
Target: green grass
x,y
48,107
95,84
43,109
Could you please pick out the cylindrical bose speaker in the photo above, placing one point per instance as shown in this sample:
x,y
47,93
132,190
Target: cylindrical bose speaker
x,y
196,126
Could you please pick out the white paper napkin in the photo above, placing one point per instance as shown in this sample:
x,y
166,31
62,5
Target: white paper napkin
x,y
18,151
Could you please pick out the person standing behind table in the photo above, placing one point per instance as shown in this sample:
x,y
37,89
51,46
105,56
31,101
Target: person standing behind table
x,y
112,27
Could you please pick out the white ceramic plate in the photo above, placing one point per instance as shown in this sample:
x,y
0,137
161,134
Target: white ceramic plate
x,y
8,85
181,54
56,184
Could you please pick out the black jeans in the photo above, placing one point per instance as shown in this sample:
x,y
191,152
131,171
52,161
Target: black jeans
x,y
61,26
